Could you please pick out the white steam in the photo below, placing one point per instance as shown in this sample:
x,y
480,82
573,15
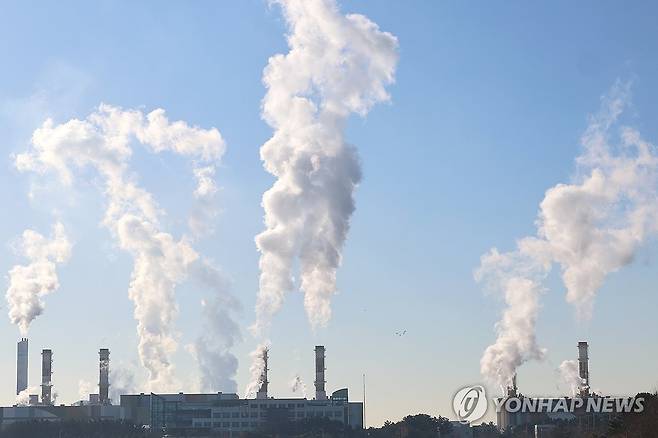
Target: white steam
x,y
297,385
85,388
103,142
28,284
122,381
256,369
337,65
590,228
570,376
217,365
23,397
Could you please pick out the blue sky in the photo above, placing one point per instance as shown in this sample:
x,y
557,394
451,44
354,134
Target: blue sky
x,y
488,106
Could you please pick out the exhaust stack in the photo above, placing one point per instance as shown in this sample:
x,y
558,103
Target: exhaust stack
x,y
583,368
262,390
320,393
21,366
46,376
512,390
104,376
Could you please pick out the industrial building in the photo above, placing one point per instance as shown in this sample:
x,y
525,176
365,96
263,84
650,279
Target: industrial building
x,y
228,415
219,414
532,421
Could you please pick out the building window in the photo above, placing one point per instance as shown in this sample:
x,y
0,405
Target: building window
x,y
235,415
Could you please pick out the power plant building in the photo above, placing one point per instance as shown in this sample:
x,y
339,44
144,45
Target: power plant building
x,y
215,414
228,415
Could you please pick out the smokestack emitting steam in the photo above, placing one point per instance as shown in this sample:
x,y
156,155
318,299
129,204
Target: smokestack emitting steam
x,y
320,393
337,65
103,141
590,228
262,391
104,376
46,376
512,389
28,284
21,365
257,370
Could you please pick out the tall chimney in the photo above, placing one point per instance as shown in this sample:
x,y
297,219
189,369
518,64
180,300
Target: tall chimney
x,y
21,366
583,368
262,390
512,389
104,376
46,376
320,393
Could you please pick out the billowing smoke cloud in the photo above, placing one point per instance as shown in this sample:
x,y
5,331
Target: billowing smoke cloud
x,y
569,374
28,284
337,65
103,141
256,369
298,385
590,228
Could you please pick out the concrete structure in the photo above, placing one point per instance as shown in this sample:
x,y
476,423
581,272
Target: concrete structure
x,y
46,376
227,415
583,368
21,365
104,376
262,390
320,393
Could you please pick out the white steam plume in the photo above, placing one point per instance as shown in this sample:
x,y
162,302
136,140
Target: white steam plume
x,y
103,141
122,381
590,228
28,284
337,65
217,365
256,369
23,397
298,385
570,376
85,388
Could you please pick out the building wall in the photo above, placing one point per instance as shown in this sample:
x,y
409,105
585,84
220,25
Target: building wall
x,y
230,415
57,413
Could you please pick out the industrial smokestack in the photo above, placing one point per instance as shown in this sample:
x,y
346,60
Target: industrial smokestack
x,y
46,376
104,376
320,393
262,389
583,368
21,366
512,389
